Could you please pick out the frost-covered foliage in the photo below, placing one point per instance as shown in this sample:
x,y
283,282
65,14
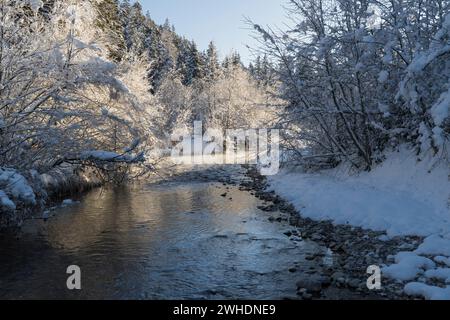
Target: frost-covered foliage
x,y
238,102
362,76
61,94
425,88
228,97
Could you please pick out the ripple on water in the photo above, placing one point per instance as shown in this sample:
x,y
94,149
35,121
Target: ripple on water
x,y
175,241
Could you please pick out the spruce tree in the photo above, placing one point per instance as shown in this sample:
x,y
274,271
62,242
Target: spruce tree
x,y
212,62
108,20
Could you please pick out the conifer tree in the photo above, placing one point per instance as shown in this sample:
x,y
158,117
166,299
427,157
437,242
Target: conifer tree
x,y
108,20
212,62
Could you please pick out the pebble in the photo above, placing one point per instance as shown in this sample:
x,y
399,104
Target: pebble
x,y
313,284
307,296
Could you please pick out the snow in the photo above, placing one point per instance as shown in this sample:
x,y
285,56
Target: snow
x,y
435,245
68,202
442,260
110,156
444,30
384,237
428,292
440,111
359,67
5,202
35,4
390,198
402,196
422,59
408,265
439,273
383,76
424,138
15,186
438,136
46,214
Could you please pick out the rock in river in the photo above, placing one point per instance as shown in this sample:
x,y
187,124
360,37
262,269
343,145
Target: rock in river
x,y
313,284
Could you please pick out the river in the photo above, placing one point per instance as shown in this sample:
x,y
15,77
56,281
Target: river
x,y
179,240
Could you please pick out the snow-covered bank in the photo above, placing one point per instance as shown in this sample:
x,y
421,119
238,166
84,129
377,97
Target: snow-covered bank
x,y
24,193
401,196
14,188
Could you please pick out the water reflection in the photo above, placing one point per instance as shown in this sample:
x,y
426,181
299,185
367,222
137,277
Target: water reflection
x,y
170,241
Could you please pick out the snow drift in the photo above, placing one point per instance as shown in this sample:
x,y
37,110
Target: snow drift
x,y
402,196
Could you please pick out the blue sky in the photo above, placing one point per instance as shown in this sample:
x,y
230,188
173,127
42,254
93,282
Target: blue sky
x,y
218,20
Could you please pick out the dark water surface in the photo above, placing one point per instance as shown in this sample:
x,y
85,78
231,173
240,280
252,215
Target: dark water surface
x,y
171,241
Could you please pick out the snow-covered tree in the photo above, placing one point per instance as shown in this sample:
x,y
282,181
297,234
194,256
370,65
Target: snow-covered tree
x,y
357,80
60,96
212,68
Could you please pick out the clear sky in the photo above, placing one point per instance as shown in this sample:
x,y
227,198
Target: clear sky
x,y
221,21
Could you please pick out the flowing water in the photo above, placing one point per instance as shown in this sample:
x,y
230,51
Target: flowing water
x,y
168,241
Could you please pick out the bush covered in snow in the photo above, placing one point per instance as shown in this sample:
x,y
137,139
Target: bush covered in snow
x,y
60,92
363,76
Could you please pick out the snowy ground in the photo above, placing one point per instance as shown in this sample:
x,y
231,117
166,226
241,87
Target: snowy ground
x,y
402,197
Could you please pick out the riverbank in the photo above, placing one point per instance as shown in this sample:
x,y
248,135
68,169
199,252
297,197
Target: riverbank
x,y
404,199
353,249
35,195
